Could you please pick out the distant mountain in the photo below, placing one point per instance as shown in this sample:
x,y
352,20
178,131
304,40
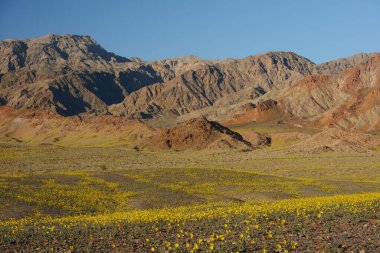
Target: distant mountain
x,y
349,99
339,65
73,74
68,74
206,82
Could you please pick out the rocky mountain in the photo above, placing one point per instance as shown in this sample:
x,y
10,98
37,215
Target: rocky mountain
x,y
342,93
339,65
207,82
68,74
72,75
349,99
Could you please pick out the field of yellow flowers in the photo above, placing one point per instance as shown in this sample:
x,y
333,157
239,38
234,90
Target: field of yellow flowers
x,y
117,200
331,224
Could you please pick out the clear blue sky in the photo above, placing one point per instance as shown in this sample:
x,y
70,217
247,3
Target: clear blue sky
x,y
320,30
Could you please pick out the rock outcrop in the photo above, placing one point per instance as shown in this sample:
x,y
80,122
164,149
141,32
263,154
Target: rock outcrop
x,y
200,133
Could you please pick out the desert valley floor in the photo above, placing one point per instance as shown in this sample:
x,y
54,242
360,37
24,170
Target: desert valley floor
x,y
123,199
267,153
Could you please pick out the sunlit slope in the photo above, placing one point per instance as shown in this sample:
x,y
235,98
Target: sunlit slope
x,y
35,127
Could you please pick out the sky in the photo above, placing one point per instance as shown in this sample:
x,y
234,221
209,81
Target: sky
x,y
320,30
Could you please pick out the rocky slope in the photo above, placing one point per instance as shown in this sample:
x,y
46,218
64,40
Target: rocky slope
x,y
72,75
36,127
205,84
68,74
332,139
339,65
346,96
349,99
200,133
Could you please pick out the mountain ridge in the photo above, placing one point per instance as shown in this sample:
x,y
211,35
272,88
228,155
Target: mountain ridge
x,y
73,74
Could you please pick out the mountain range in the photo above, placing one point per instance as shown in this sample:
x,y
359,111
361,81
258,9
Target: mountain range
x,y
73,75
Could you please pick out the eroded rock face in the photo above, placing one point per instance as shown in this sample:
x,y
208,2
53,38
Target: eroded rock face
x,y
349,99
266,105
73,74
202,134
67,74
208,82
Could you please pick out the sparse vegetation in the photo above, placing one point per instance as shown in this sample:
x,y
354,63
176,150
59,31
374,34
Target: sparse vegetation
x,y
198,201
281,226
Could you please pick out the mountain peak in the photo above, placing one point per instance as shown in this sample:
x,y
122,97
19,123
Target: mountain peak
x,y
65,37
55,49
53,38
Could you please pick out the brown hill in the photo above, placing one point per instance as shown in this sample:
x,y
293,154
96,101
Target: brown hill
x,y
200,134
67,74
204,84
35,127
264,111
336,66
240,107
349,99
72,75
333,139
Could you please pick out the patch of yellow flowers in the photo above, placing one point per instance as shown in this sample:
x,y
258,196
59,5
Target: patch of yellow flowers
x,y
90,195
353,203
